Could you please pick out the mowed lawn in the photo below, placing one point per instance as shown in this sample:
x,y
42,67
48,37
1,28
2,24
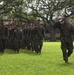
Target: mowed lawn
x,y
50,62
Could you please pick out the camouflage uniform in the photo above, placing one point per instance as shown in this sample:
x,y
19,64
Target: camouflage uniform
x,y
28,37
3,37
25,36
38,38
66,37
10,45
32,37
17,36
23,45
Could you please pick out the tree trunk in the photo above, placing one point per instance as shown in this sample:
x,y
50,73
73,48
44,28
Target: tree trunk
x,y
52,35
52,31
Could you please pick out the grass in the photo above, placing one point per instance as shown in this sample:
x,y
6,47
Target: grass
x,y
50,62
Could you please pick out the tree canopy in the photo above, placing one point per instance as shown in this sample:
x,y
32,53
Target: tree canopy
x,y
30,9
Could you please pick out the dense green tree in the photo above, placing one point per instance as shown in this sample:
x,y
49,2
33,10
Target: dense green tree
x,y
30,10
47,10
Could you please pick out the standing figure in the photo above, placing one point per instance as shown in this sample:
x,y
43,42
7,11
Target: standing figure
x,y
17,37
66,37
3,36
38,37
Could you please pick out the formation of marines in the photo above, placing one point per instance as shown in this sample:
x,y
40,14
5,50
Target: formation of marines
x,y
30,37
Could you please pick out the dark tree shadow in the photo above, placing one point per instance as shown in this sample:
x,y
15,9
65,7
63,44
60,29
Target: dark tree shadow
x,y
66,64
9,51
1,53
30,52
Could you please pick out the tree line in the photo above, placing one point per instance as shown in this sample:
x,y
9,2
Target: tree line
x,y
30,10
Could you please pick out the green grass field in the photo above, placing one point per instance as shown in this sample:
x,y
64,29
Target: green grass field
x,y
50,62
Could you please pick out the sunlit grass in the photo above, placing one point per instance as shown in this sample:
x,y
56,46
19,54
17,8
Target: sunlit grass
x,y
50,62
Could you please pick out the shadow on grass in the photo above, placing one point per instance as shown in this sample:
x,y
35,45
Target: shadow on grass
x,y
28,52
9,51
66,64
1,53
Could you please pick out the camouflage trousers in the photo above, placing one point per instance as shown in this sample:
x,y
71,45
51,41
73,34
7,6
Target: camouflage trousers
x,y
38,46
67,49
2,45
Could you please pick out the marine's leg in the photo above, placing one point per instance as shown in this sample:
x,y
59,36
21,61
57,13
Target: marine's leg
x,y
64,51
70,48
